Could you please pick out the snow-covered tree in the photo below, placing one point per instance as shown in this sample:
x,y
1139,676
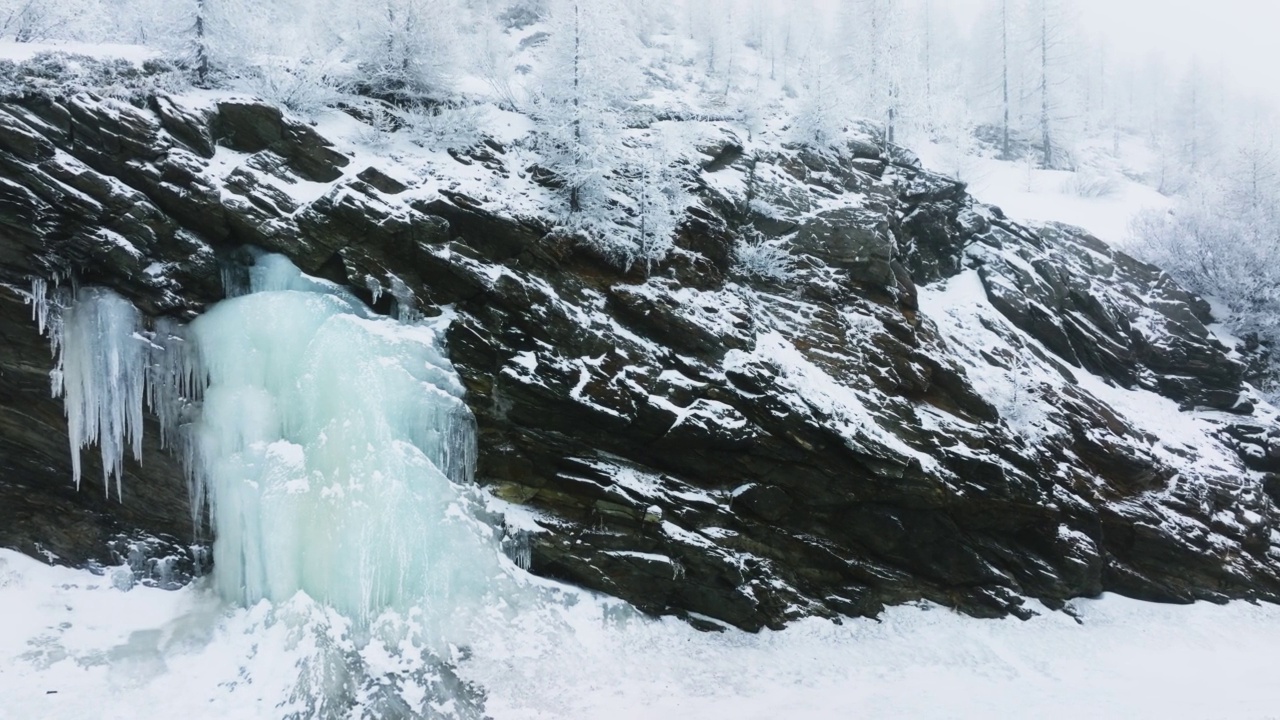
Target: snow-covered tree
x,y
209,37
1219,245
33,20
1048,32
582,92
621,186
875,58
1254,162
201,42
493,53
821,104
1194,118
939,74
405,49
994,87
660,198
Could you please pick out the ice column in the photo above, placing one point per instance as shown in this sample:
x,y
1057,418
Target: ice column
x,y
332,444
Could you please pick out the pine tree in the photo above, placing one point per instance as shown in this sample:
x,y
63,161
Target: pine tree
x,y
660,199
1049,37
1004,78
405,48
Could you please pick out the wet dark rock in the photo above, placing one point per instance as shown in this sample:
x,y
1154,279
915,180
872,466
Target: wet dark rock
x,y
254,127
381,181
850,238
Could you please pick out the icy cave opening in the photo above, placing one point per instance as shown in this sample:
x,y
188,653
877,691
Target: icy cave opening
x,y
332,445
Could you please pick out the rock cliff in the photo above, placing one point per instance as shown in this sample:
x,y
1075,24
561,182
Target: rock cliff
x,y
931,402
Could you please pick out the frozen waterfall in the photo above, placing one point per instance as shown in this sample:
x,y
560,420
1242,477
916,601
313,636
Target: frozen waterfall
x,y
332,445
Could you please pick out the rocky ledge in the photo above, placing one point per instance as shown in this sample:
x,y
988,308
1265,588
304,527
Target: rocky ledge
x,y
920,399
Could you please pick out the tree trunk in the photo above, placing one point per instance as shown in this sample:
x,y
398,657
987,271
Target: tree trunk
x,y
1045,140
1004,73
575,199
928,58
202,48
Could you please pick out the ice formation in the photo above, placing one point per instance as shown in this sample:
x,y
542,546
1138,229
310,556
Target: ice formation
x,y
332,445
101,371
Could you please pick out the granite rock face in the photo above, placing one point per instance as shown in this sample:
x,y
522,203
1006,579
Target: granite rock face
x,y
936,403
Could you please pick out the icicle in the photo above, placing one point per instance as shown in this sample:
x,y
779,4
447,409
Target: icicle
x,y
39,302
374,287
331,444
175,386
405,307
101,374
518,546
175,378
235,278
47,304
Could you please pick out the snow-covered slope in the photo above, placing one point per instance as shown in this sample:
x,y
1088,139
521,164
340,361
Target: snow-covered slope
x,y
1112,186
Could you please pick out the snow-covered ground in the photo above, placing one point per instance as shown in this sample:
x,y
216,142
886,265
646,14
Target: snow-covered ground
x,y
73,646
1103,196
24,51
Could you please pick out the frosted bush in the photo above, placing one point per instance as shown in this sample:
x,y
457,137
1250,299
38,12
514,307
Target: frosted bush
x,y
304,86
1219,246
759,257
381,123
447,126
1088,183
56,74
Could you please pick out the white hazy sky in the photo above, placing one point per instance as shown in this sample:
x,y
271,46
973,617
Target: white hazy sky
x,y
1242,37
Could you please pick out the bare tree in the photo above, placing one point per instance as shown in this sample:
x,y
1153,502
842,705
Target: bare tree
x,y
1004,75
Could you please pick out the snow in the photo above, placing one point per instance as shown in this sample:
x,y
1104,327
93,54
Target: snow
x,y
23,51
813,389
1184,440
334,451
1031,194
74,646
336,455
960,307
